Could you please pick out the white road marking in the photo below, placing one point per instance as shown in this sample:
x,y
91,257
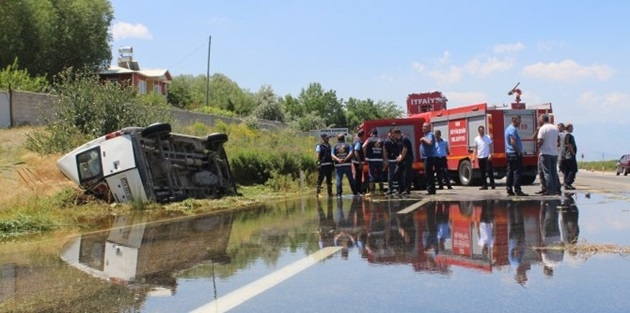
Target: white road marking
x,y
238,296
414,206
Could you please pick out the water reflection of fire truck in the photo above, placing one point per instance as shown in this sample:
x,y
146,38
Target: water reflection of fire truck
x,y
491,233
481,235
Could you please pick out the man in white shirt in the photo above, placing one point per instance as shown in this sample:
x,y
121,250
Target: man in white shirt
x,y
562,131
483,150
548,141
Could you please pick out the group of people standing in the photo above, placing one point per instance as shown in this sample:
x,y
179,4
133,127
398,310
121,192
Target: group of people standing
x,y
394,157
557,150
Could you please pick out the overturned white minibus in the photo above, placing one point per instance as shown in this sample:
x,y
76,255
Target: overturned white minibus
x,y
151,164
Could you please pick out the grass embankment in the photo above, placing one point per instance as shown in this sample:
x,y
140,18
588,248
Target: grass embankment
x,y
39,199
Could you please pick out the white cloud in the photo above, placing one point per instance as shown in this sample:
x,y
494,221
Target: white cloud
x,y
445,58
122,30
451,75
567,70
549,45
508,48
418,66
457,99
386,77
615,102
489,65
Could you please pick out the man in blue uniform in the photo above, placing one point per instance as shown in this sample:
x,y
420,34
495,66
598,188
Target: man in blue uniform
x,y
342,157
373,151
404,161
324,165
392,151
442,150
358,161
514,154
428,154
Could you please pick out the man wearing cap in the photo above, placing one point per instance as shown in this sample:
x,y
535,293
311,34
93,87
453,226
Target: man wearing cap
x,y
324,164
373,151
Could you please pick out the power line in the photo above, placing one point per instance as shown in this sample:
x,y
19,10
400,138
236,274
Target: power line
x,y
187,56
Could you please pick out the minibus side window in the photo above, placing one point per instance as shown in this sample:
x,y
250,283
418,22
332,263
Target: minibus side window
x,y
89,163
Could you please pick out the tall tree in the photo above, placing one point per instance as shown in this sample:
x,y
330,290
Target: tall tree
x,y
324,103
48,36
268,107
227,95
358,111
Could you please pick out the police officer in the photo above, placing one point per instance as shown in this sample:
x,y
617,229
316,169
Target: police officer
x,y
358,161
342,157
392,151
373,151
324,164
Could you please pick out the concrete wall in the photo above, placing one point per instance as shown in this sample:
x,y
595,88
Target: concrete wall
x,y
5,110
26,108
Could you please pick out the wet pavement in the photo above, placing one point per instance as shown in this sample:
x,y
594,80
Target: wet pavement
x,y
347,254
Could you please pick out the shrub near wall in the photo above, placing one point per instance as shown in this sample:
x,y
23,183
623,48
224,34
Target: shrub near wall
x,y
258,156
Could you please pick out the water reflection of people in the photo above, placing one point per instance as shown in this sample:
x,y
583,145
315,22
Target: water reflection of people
x,y
383,232
443,225
550,251
516,242
326,223
349,227
485,231
430,233
570,230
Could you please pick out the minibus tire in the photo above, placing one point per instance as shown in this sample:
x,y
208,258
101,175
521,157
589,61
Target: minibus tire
x,y
156,129
217,138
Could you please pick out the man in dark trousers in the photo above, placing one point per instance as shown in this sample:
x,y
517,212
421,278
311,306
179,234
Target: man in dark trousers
x,y
403,163
373,151
342,157
358,161
324,164
428,154
392,151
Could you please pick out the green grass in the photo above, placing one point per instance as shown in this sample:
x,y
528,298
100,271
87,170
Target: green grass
x,y
605,166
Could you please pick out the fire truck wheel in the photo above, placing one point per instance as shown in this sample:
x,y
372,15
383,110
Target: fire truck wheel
x,y
156,129
465,172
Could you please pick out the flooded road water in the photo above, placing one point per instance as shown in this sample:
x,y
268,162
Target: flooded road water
x,y
336,255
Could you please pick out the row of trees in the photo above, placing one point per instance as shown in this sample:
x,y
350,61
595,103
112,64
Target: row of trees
x,y
313,108
40,39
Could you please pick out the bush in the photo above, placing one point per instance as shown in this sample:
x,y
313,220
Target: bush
x,y
19,79
87,108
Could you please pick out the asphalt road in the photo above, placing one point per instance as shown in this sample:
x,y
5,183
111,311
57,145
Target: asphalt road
x,y
586,182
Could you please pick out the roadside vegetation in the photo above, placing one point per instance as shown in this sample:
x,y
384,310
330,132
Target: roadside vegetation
x,y
265,163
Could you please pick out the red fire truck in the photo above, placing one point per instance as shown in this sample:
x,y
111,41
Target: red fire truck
x,y
459,127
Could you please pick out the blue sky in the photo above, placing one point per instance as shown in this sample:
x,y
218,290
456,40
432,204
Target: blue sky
x,y
573,54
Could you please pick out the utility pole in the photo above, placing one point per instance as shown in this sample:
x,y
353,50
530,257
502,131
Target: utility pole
x,y
208,72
